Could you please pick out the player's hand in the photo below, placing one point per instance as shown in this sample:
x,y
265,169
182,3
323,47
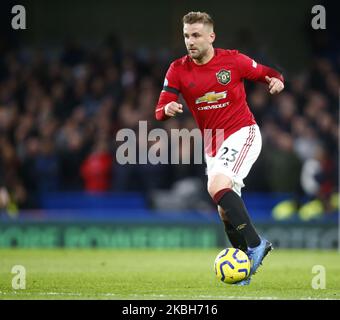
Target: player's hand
x,y
172,108
275,85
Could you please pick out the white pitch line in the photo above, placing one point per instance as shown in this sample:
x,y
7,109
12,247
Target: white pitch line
x,y
15,293
75,294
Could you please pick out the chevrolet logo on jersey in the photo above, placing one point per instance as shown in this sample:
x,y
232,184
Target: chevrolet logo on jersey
x,y
211,97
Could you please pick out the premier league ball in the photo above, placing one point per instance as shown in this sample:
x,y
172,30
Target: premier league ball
x,y
231,265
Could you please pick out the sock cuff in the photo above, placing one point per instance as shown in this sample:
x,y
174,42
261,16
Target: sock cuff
x,y
219,194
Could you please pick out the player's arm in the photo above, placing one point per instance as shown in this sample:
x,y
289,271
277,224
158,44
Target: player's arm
x,y
251,70
167,105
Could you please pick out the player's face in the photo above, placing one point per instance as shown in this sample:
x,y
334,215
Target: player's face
x,y
198,39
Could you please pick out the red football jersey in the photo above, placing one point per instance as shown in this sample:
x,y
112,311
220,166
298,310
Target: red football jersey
x,y
214,92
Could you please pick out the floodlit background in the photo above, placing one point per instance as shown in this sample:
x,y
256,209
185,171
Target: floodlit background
x,y
82,70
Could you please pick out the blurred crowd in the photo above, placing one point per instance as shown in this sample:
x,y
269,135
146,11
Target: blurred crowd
x,y
61,109
301,139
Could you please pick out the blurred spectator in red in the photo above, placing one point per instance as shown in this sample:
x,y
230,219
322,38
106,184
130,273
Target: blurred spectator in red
x,y
96,170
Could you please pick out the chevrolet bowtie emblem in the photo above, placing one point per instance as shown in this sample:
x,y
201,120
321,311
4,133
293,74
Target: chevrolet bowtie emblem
x,y
211,97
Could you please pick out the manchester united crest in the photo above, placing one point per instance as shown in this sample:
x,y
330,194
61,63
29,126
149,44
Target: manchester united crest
x,y
223,76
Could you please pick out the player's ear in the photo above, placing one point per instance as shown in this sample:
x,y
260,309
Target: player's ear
x,y
212,37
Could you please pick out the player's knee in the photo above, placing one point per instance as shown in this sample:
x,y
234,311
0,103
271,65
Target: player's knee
x,y
218,182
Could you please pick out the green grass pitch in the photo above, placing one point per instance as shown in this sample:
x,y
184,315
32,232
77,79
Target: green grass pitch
x,y
151,274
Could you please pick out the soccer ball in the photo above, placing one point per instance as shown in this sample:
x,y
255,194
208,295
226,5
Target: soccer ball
x,y
231,265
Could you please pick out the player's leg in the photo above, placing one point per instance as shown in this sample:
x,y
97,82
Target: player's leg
x,y
232,204
231,165
236,239
220,189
